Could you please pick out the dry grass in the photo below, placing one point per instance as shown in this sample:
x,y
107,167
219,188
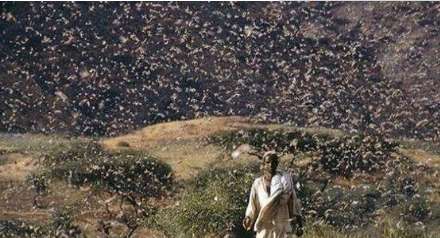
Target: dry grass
x,y
16,202
34,144
422,156
16,167
159,134
187,157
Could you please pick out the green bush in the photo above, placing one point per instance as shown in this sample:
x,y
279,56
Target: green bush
x,y
264,139
213,203
388,228
76,151
124,172
134,172
62,225
348,154
345,209
13,228
39,182
415,209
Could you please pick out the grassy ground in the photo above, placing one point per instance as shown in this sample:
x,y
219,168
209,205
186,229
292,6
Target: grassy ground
x,y
183,146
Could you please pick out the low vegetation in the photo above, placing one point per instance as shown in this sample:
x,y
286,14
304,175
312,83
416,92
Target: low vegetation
x,y
36,144
341,155
127,172
349,185
61,225
132,176
213,203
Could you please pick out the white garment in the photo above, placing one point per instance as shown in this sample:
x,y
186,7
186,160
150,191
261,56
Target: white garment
x,y
270,212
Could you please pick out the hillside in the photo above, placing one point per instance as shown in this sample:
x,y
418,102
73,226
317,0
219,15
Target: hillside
x,y
109,68
197,152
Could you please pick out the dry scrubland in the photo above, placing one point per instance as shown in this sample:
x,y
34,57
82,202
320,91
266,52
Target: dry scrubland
x,y
178,179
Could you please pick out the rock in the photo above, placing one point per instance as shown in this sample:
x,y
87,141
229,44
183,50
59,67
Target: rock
x,y
244,148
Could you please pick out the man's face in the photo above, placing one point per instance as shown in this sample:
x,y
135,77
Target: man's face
x,y
269,166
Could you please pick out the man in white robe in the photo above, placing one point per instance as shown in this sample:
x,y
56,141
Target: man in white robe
x,y
273,206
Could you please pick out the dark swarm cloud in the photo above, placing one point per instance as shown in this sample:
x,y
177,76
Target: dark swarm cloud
x,y
106,68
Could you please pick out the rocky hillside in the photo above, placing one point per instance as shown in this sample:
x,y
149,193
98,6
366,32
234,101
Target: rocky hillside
x,y
106,68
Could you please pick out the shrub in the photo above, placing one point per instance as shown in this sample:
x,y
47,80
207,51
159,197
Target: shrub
x,y
345,155
124,172
134,176
76,151
123,144
263,139
415,209
13,228
134,172
397,228
60,225
388,228
39,182
213,203
345,209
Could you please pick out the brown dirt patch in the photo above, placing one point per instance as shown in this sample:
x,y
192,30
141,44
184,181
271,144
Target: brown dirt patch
x,y
16,166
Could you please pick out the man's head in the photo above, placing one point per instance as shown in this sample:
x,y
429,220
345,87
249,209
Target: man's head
x,y
269,164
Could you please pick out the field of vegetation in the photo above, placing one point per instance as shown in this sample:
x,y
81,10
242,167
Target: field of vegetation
x,y
185,183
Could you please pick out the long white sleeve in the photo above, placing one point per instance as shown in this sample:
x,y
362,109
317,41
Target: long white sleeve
x,y
253,207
